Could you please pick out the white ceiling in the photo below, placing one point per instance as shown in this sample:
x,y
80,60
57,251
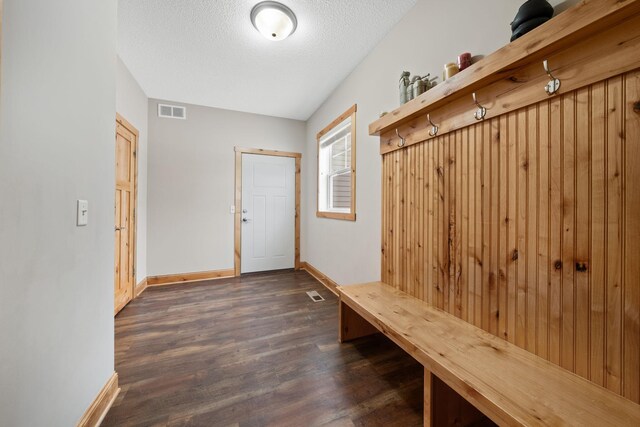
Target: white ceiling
x,y
206,52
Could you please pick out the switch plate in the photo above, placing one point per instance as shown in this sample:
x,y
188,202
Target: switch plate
x,y
83,213
232,209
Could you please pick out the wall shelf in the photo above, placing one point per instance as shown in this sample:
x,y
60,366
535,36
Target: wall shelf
x,y
563,31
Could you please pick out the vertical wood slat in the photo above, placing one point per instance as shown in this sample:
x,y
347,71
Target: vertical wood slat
x,y
421,221
494,226
403,223
503,221
512,215
478,223
555,232
430,233
582,230
544,261
598,233
385,222
397,181
568,230
417,230
463,282
408,222
631,330
613,334
471,227
441,241
486,230
449,226
531,250
383,228
457,215
526,225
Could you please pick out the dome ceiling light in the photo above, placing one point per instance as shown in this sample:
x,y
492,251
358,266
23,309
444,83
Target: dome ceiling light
x,y
273,20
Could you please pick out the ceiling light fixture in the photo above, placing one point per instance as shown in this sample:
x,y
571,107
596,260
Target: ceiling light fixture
x,y
273,20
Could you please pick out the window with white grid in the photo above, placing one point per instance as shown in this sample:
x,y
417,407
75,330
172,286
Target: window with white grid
x,y
336,169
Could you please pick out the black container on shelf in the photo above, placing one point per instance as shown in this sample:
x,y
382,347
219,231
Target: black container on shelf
x,y
531,14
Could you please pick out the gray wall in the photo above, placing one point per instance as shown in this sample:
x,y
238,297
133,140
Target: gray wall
x,y
430,35
191,182
56,146
132,104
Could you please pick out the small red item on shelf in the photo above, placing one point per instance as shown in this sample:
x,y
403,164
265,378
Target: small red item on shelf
x,y
464,61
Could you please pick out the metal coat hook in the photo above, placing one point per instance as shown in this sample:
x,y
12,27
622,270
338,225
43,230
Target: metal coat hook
x,y
434,127
402,140
481,112
554,84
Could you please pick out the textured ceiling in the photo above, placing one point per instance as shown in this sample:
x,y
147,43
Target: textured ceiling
x,y
206,52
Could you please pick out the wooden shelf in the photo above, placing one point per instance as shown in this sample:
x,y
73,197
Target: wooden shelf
x,y
566,29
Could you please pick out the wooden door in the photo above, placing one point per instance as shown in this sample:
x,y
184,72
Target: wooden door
x,y
125,202
268,213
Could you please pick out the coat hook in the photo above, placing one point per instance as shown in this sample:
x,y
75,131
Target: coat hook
x,y
434,127
554,85
402,140
481,112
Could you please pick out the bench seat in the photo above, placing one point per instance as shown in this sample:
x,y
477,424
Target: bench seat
x,y
509,385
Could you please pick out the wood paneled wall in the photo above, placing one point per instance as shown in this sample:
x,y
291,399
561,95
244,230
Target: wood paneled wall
x,y
528,226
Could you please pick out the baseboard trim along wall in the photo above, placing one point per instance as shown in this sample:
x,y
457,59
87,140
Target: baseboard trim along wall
x,y
140,287
101,404
172,279
322,278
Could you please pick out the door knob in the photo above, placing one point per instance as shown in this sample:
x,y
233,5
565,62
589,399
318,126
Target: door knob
x,y
245,219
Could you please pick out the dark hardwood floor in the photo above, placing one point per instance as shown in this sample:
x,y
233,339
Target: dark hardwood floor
x,y
255,351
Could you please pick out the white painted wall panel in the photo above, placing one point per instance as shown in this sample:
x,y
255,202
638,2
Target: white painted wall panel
x,y
191,182
430,35
57,126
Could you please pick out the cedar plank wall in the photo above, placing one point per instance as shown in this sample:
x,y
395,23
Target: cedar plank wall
x,y
528,226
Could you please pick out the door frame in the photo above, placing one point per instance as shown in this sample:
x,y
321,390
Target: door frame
x,y
237,259
134,245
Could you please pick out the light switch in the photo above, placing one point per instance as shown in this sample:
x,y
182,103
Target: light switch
x,y
232,209
83,213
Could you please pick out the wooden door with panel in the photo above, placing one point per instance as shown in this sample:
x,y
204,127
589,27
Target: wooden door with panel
x,y
125,201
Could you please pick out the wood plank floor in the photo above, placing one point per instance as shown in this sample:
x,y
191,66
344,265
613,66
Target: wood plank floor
x,y
255,351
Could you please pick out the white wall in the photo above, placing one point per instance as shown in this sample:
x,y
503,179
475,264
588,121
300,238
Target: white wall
x,y
132,104
56,146
430,35
191,182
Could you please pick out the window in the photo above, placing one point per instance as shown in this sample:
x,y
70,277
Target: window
x,y
337,168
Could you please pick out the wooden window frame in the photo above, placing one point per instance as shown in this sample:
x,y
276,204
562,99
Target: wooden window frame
x,y
351,215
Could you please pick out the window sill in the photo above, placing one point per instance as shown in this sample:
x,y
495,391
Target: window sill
x,y
337,215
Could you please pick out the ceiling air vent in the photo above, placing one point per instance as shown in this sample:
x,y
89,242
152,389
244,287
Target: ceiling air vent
x,y
172,111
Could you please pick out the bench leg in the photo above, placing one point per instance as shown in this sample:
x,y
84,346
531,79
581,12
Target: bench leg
x,y
352,325
444,407
428,398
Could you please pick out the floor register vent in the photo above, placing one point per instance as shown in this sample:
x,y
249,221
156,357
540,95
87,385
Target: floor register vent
x,y
315,296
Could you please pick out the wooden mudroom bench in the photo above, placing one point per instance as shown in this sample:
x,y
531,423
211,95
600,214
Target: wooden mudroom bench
x,y
510,234
509,385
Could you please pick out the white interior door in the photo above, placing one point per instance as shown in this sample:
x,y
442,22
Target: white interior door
x,y
268,213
